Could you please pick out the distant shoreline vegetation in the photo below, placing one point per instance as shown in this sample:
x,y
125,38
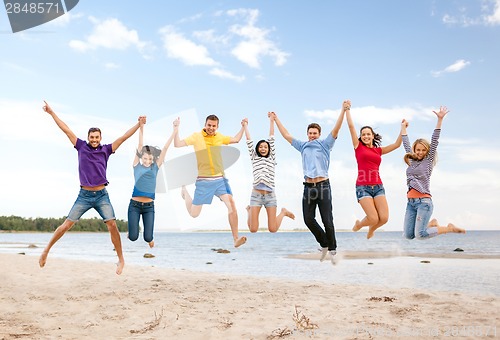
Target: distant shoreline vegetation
x,y
17,223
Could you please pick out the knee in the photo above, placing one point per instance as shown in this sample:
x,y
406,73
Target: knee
x,y
422,235
111,225
272,229
66,226
372,220
133,237
148,238
383,220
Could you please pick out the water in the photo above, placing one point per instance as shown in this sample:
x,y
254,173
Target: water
x,y
267,255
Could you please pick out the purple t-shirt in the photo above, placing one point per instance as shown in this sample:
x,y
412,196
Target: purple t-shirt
x,y
92,163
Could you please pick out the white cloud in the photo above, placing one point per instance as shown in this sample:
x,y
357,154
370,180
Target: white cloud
x,y
494,18
490,15
185,50
65,19
455,67
478,154
371,115
111,66
256,43
111,34
225,74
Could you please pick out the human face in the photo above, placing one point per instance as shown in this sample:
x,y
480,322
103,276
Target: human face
x,y
313,134
420,150
263,149
94,139
147,160
367,136
211,127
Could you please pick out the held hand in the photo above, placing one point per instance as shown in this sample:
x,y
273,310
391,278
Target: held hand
x,y
271,115
47,108
244,122
142,120
346,105
177,122
443,110
404,124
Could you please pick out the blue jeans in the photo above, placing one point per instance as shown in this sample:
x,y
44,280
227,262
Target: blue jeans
x,y
319,195
417,217
135,210
88,199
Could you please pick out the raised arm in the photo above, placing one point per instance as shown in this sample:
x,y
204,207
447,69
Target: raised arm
x,y
399,140
141,143
271,125
443,111
60,123
116,144
350,124
284,132
177,141
237,137
163,153
247,132
338,124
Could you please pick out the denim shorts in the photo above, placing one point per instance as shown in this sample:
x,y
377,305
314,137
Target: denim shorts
x,y
267,200
372,191
206,189
87,199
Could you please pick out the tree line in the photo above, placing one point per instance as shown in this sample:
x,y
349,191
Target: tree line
x,y
16,223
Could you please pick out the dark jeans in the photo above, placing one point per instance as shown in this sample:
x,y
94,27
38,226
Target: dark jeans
x,y
135,210
320,196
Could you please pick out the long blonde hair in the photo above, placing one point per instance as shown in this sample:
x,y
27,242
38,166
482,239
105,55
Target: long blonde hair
x,y
413,156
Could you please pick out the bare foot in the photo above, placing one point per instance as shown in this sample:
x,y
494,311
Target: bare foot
x,y
357,226
370,233
151,244
433,223
454,229
119,267
240,241
288,213
42,260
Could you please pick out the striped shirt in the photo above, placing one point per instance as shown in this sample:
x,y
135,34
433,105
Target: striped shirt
x,y
418,173
263,167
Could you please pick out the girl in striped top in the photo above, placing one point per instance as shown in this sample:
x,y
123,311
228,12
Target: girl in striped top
x,y
263,159
421,158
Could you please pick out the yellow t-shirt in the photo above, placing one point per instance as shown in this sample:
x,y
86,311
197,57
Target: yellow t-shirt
x,y
208,152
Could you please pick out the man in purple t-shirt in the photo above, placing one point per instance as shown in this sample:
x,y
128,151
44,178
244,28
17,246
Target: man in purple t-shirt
x,y
92,163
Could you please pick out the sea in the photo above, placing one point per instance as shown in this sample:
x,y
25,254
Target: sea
x,y
433,265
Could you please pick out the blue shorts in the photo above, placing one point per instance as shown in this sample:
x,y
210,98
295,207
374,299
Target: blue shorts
x,y
206,189
371,191
87,199
267,200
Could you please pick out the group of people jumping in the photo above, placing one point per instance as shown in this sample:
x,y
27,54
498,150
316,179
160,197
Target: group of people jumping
x,y
211,181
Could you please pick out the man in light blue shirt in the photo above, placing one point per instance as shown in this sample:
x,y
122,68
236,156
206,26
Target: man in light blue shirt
x,y
317,191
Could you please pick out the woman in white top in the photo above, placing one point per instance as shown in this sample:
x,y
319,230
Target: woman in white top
x,y
263,159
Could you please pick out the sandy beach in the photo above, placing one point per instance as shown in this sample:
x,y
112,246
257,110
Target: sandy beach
x,y
81,300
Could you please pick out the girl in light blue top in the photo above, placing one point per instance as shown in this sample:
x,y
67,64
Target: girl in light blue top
x,y
147,162
421,159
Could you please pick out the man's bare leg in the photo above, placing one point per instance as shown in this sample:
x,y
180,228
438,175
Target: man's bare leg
x,y
233,219
117,243
58,233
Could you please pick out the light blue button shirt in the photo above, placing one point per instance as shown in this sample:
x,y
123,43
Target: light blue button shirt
x,y
315,155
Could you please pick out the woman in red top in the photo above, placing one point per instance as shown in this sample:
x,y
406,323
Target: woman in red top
x,y
369,188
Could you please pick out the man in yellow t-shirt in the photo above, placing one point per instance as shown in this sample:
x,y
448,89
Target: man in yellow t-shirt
x,y
210,181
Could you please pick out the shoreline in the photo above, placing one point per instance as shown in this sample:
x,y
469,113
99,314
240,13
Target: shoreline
x,y
82,299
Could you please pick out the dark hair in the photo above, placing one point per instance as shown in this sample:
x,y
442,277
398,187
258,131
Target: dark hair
x,y
212,117
93,129
314,126
268,147
377,139
149,150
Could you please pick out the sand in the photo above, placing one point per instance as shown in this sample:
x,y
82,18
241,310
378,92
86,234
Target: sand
x,y
71,299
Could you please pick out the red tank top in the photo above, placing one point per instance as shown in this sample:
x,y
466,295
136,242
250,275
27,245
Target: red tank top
x,y
369,160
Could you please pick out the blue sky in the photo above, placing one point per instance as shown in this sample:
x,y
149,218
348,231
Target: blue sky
x,y
105,63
